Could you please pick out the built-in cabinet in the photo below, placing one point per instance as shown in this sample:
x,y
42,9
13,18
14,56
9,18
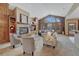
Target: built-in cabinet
x,y
4,23
4,8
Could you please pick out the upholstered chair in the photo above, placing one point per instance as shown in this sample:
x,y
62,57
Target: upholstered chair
x,y
50,39
31,44
14,40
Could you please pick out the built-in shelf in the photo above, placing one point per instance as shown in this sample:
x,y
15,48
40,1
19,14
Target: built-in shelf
x,y
12,24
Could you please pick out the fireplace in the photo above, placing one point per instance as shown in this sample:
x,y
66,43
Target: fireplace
x,y
23,30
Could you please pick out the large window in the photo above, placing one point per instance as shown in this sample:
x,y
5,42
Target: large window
x,y
53,23
58,20
50,19
53,19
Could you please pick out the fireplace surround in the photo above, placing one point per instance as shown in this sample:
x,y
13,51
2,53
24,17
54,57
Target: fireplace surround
x,y
23,30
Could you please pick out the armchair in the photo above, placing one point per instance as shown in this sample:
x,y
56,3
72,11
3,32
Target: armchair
x,y
14,40
31,44
50,39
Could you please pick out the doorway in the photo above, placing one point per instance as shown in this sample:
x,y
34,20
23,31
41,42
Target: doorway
x,y
71,28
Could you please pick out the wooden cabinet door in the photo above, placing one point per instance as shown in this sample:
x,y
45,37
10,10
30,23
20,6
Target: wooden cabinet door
x,y
4,30
1,32
4,8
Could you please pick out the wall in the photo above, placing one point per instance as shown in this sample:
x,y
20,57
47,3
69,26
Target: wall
x,y
74,14
19,11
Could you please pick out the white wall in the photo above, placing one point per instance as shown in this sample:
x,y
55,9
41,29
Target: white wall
x,y
18,12
74,14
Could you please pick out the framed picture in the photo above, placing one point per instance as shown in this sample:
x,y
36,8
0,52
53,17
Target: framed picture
x,y
23,19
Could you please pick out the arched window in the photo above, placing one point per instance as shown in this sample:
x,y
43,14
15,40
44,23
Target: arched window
x,y
50,19
53,19
58,20
51,22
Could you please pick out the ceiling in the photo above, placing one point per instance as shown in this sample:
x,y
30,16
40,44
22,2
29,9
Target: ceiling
x,y
43,9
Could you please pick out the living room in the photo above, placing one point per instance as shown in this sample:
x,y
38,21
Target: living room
x,y
39,29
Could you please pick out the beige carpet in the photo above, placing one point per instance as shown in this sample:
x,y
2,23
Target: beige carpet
x,y
46,51
65,47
